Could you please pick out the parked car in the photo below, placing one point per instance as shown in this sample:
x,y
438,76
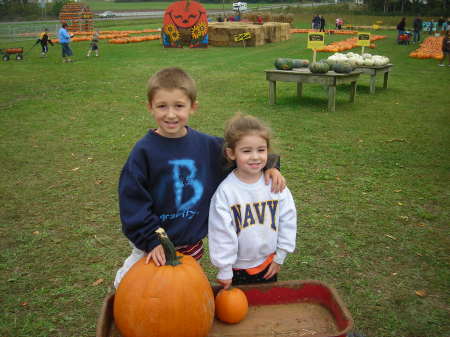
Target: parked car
x,y
107,14
240,6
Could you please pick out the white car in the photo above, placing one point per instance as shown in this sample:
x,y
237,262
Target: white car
x,y
107,14
240,6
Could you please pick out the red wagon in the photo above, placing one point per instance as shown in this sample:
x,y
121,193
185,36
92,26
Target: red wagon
x,y
286,308
11,51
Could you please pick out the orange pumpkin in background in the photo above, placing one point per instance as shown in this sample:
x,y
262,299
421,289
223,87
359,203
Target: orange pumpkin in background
x,y
184,14
185,23
231,305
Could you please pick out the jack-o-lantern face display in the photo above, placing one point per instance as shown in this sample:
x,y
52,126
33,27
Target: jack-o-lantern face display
x,y
184,14
181,16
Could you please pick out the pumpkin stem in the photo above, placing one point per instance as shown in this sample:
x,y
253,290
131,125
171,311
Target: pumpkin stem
x,y
169,249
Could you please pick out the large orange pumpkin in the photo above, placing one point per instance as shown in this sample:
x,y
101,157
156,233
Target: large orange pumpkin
x,y
185,14
231,305
175,300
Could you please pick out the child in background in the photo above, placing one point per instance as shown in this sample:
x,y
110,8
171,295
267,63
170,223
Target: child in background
x,y
171,175
446,49
250,229
44,40
93,47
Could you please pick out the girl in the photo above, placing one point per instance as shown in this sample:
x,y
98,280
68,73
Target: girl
x,y
93,47
250,229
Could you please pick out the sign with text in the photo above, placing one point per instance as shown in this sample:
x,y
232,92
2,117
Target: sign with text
x,y
242,36
363,39
315,40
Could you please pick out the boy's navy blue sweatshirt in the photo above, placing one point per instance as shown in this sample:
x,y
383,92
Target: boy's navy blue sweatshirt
x,y
168,183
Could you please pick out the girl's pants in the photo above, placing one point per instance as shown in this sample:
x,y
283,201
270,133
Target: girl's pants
x,y
240,276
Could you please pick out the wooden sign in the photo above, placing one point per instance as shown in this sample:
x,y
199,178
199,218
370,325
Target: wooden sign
x,y
363,39
315,40
242,36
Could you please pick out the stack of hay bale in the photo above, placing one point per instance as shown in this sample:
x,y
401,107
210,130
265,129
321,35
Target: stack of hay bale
x,y
221,34
268,17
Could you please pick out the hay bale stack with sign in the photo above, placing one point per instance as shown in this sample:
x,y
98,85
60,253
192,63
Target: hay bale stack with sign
x,y
224,33
229,34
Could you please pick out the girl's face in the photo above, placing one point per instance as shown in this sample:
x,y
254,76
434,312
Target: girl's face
x,y
250,155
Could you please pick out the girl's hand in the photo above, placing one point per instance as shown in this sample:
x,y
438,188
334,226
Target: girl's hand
x,y
273,270
225,283
157,255
278,181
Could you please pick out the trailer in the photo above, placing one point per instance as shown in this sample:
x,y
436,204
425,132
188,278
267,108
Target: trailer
x,y
7,52
286,308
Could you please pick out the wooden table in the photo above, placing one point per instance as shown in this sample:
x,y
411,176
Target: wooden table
x,y
373,72
303,75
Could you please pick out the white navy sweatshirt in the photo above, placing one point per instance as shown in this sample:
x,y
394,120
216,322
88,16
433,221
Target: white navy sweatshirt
x,y
247,223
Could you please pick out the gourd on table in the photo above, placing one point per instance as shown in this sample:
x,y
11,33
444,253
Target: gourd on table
x,y
319,67
283,63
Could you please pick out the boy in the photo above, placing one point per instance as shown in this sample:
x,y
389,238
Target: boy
x,y
44,40
171,175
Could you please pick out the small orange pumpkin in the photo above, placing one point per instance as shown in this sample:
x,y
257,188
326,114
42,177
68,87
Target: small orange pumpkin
x,y
231,305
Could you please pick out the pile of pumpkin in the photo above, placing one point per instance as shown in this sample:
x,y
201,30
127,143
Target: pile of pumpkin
x,y
116,36
431,47
356,60
348,44
134,39
332,31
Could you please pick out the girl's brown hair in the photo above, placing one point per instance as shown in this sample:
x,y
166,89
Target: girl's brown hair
x,y
242,125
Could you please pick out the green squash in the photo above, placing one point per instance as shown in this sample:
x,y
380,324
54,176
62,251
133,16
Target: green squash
x,y
319,67
282,63
300,63
342,68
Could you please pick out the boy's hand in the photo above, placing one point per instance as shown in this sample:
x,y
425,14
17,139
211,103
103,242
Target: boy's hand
x,y
157,255
273,270
225,283
278,181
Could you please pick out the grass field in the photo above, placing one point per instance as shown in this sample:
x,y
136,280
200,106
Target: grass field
x,y
161,5
371,180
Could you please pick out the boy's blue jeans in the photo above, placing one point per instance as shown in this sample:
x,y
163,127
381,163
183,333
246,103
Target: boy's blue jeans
x,y
416,37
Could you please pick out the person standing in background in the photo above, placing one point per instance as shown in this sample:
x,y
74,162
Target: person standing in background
x,y
445,49
322,24
401,28
417,27
64,39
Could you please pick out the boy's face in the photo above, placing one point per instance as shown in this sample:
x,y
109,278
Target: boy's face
x,y
171,110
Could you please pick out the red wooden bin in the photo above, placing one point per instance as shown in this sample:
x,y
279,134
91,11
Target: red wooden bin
x,y
285,308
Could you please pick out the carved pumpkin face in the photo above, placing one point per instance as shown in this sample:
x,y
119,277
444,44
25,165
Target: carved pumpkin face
x,y
184,14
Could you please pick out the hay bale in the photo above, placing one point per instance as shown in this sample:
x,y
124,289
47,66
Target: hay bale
x,y
222,34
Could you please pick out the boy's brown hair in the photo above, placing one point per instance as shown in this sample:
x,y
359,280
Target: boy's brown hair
x,y
170,79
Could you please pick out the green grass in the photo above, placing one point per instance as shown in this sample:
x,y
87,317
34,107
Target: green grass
x,y
370,180
157,5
